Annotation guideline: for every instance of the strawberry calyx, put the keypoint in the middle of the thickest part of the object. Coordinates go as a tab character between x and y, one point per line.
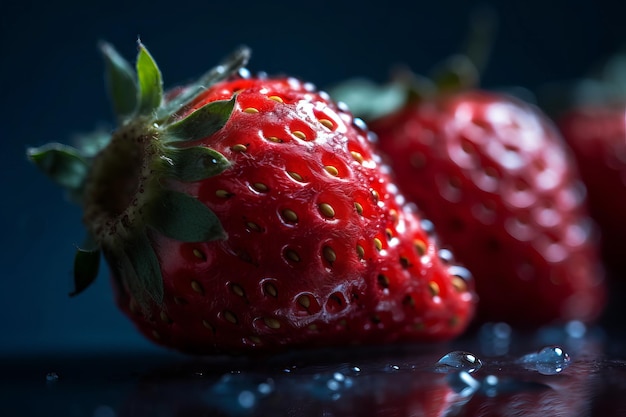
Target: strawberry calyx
121	179
459	72
370	100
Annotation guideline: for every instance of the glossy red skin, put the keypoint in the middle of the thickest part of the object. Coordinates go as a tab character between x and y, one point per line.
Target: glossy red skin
493	175
597	136
230	308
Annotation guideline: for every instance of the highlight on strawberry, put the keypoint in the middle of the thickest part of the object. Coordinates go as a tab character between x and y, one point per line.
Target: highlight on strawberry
246	213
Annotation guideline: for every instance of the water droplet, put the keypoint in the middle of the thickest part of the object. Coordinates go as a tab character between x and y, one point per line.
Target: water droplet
458	360
246	399
333	385
576	329
463	383
550	360
266	388
391	368
104	411
52	377
490	384
495	339
355	369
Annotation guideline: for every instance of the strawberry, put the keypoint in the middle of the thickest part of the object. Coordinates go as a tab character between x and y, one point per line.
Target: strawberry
245	213
591	114
494	176
597	134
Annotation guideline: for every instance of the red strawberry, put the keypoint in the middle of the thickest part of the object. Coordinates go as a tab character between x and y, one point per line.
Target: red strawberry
597	136
249	213
494	176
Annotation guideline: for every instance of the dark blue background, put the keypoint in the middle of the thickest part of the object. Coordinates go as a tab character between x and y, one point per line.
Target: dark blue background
51	86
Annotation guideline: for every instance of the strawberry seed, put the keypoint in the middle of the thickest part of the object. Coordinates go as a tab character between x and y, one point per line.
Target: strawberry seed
332	170
198	254
304	301
238	290
270	289
292	255
165	318
327	123
434	289
327	210
240	147
260	187
272	323
290	216
195	285
329	254
230	317
299	134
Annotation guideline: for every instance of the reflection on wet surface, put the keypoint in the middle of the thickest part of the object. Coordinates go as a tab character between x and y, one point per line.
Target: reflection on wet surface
559	371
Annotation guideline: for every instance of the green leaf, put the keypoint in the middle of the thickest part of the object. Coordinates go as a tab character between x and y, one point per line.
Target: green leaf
234	62
150	82
121	82
228	67
182	217
86	267
147	271
457	73
193	164
203	122
64	164
369	100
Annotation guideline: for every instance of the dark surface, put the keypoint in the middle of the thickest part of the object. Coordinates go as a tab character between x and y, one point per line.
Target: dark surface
389	381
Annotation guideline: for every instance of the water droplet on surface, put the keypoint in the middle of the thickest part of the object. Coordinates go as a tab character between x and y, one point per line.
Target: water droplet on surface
576	329
391	368
550	360
52	377
331	385
495	338
458	360
104	411
266	388
463	383
246	399
489	386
